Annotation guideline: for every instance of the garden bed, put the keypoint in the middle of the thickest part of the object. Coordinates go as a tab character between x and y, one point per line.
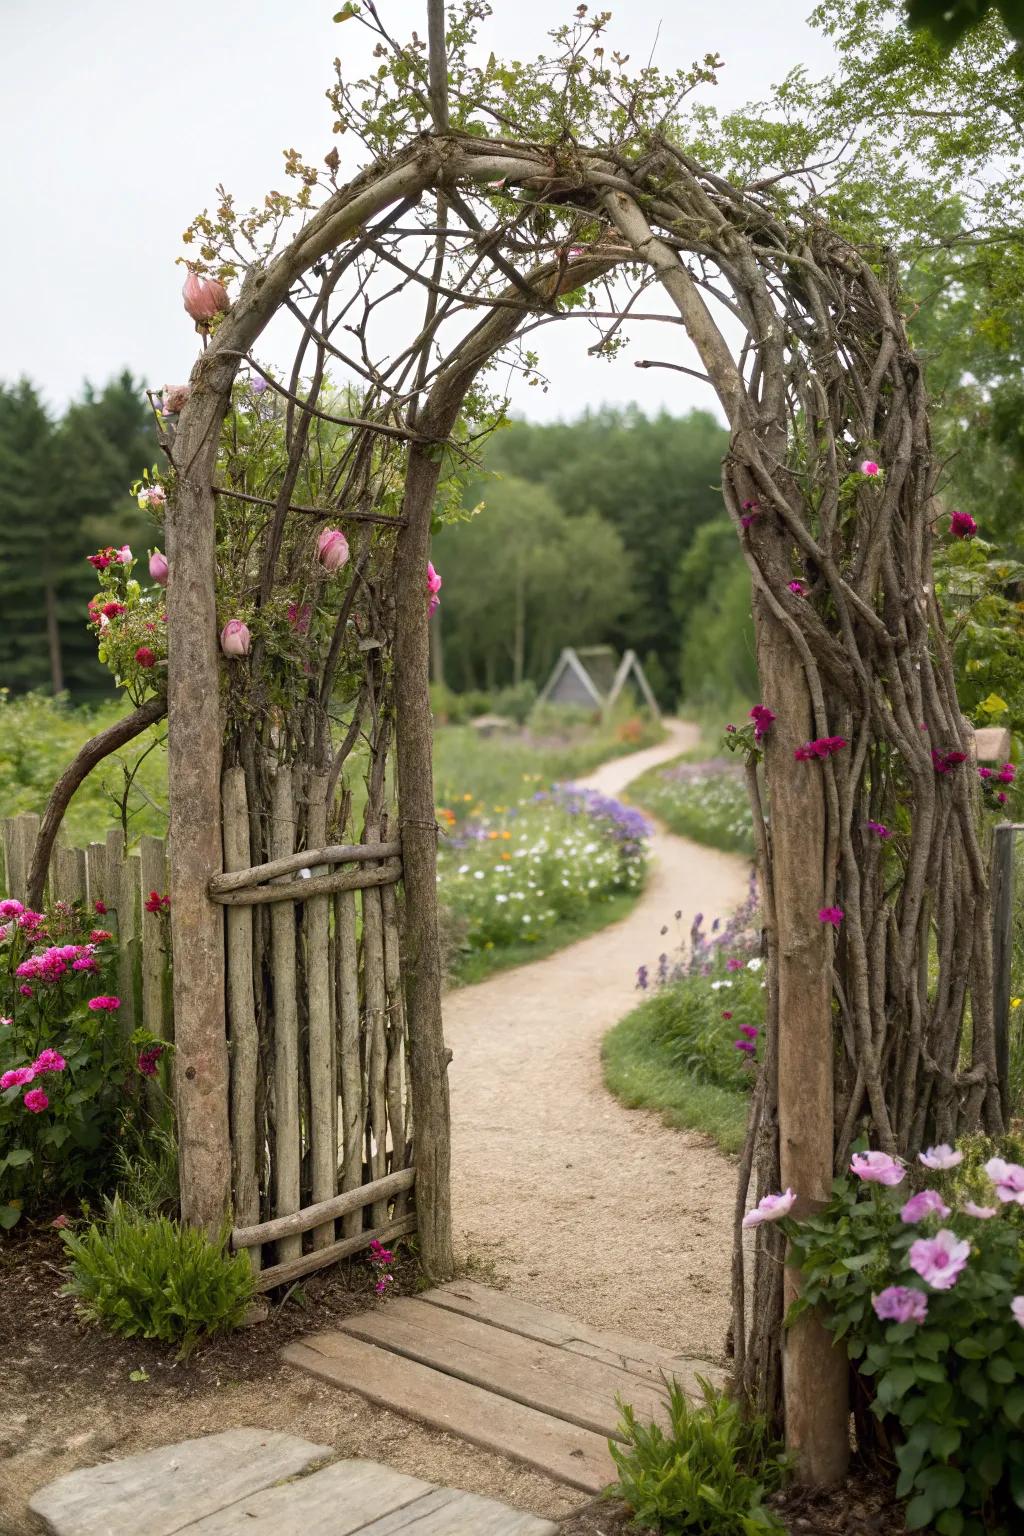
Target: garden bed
704	801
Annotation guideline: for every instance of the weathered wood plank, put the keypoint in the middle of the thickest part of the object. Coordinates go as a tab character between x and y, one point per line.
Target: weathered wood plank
243	1032
450	1512
67	873
343	1499
386	873
96	873
350	1055
328	1210
280	1274
341	853
164	1491
541	1376
560	1450
636	1356
153	877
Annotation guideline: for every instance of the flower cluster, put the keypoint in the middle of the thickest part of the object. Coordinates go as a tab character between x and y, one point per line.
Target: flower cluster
995	784
821	748
945	762
706	801
130	622
381	1260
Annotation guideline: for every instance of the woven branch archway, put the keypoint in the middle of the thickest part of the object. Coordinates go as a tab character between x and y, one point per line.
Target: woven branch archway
497	236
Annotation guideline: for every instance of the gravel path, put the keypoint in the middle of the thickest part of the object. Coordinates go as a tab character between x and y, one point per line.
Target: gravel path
581	1204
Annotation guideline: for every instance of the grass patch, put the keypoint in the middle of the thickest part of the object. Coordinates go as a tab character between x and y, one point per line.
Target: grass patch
704	801
639	1069
478	964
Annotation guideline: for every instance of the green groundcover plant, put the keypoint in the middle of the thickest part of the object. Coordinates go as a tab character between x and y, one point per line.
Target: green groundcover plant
70	1076
150	1277
926	1290
708	1474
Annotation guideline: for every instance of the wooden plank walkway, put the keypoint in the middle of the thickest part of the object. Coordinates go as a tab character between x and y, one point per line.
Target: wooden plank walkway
503	1374
264	1483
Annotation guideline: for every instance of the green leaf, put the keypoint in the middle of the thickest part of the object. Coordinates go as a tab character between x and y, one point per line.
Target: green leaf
9	1214
1001	1370
943	1485
950	1523
919	1512
347	12
1013	1404
17	1157
944	1440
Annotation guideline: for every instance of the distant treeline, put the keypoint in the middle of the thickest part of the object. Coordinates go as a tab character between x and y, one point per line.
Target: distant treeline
64	492
609	529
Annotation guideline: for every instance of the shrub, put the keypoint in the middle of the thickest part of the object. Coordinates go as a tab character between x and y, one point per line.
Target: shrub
69	1074
707	1476
928	1297
152	1278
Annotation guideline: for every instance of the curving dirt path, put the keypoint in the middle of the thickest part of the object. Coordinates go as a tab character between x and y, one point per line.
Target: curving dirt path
583	1205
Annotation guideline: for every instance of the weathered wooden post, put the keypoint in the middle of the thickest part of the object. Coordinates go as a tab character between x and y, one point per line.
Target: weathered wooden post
1002	948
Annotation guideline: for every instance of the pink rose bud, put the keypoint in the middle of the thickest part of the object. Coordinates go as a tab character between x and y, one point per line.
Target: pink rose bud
332	549
235	638
158	568
174	397
204	297
433	579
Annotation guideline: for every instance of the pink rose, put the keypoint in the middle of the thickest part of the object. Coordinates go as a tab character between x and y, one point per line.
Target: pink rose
869	467
332	549
771	1208
17	1077
235	639
204	297
158	568
35	1101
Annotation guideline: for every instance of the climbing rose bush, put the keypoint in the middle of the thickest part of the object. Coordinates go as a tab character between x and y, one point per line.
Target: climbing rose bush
69	1073
926	1289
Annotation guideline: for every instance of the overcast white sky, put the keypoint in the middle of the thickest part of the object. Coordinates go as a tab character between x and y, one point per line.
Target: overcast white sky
118	119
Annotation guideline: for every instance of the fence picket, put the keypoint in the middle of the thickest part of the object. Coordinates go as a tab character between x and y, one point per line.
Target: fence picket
287	1159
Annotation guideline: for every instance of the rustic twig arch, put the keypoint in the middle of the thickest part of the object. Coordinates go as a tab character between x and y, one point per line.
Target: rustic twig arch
865	1030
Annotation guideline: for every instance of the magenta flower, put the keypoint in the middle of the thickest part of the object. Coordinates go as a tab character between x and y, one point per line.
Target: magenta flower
1008	1179
48	1061
945	762
35	1101
104	1004
962	525
235	639
939	1259
797	588
1007	774
751	511
869	467
1001	798
1017	1308
771	1208
928	1203
941	1157
751	1031
820	748
877	1168
732	964
17	1077
984	773
980	1212
332	549
880	831
434	582
833	915
763	719
727	1014
11	908
900	1304
747	1046
148	1059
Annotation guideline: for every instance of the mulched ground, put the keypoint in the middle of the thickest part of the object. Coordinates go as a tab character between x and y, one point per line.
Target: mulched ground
862	1506
50	1343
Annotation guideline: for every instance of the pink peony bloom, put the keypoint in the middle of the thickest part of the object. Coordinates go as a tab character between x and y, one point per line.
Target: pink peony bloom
1017	1308
11	908
35	1101
763	719
928	1203
158	568
877	1168
939	1259
104	1004
833	915
771	1208
980	1212
174	397
235	639
900	1304
332	549
962	525
17	1077
85	963
48	1061
869	467
1008	1179
941	1157
204	297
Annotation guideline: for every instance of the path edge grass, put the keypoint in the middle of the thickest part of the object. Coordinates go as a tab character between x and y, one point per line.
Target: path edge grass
639	1072
473	966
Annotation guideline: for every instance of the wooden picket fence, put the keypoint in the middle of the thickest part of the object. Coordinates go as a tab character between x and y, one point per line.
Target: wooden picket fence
121	882
320	1112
